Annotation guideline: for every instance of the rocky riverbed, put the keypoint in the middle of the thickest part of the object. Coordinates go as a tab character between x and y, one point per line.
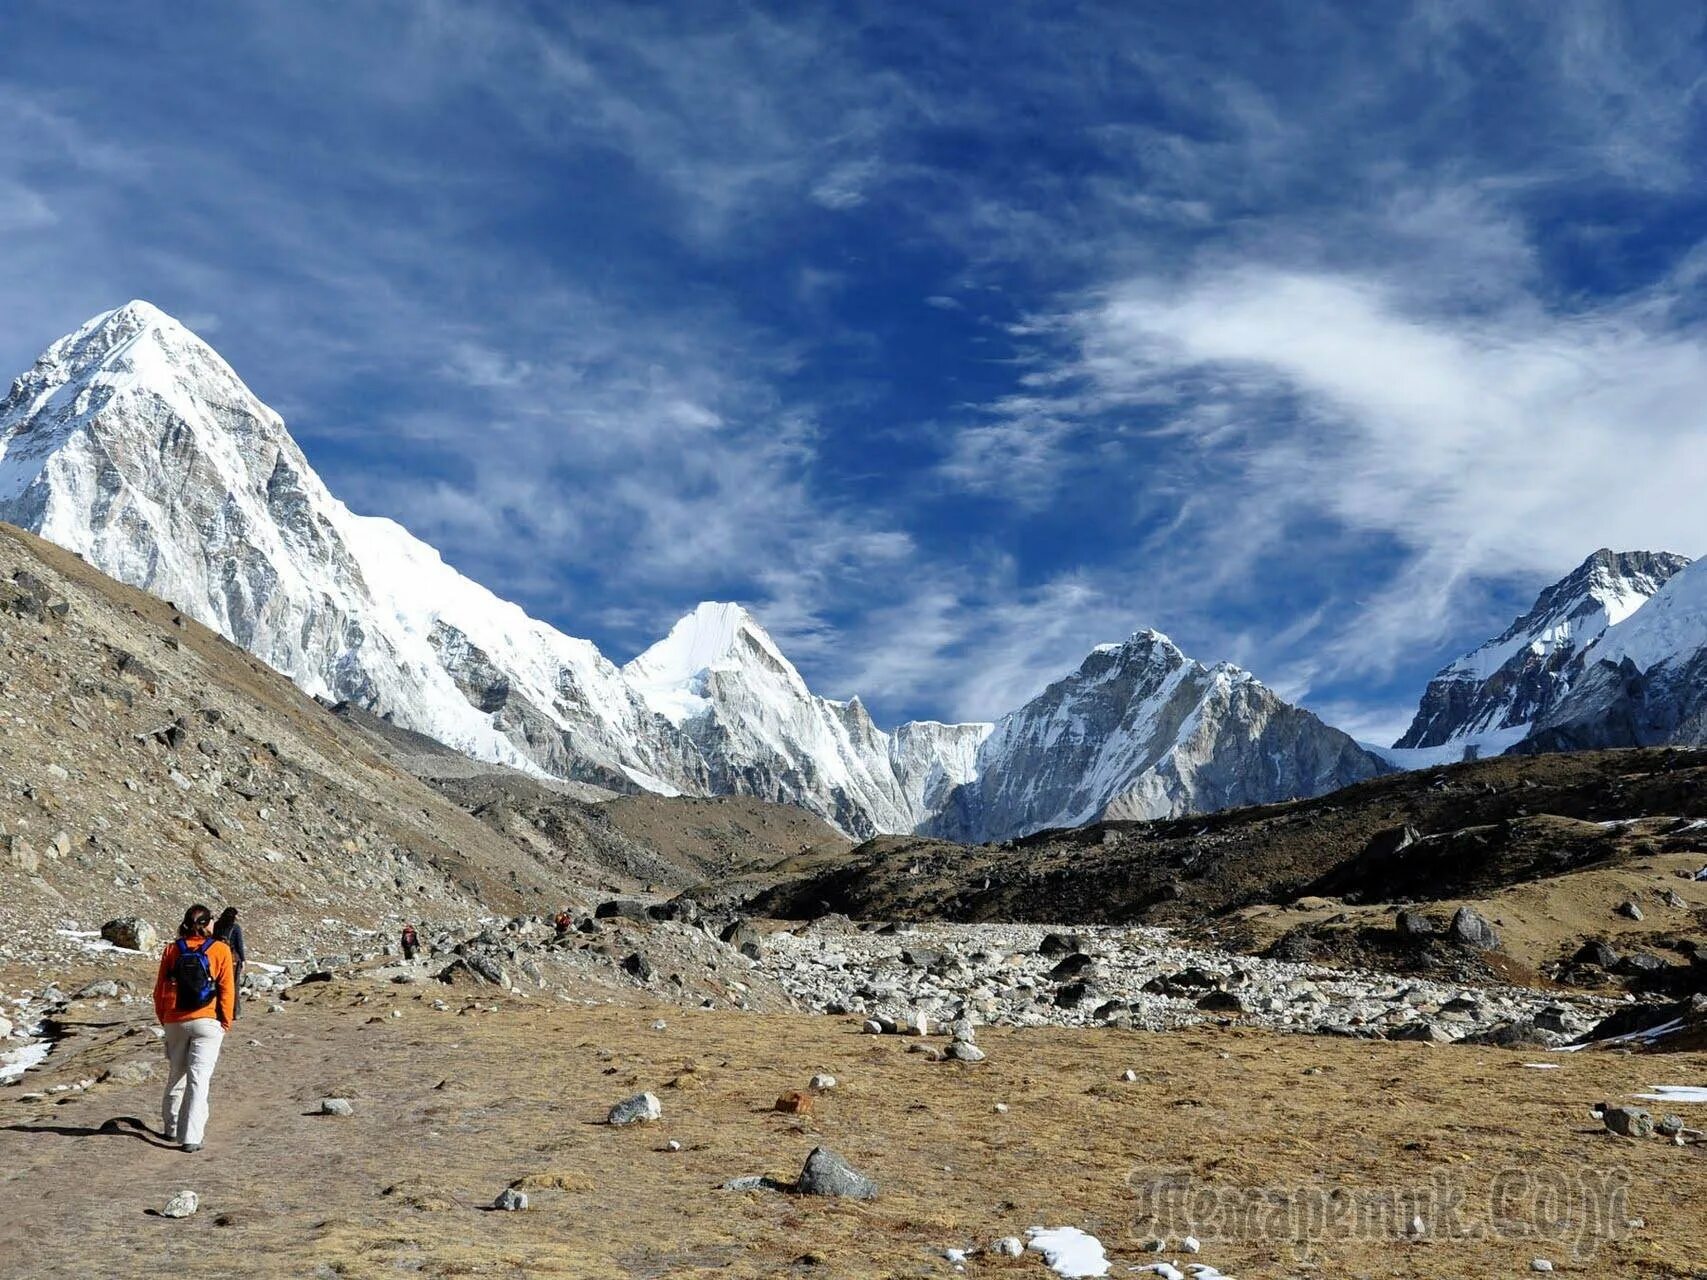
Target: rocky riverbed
1034	976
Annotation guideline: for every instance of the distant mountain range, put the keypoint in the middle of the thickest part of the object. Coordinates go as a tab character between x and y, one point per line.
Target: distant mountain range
134	444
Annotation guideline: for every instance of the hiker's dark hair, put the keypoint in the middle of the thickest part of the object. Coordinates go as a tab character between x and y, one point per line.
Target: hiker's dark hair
195	921
227	918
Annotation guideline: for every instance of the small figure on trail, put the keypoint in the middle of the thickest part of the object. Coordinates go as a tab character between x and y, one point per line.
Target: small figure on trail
411	942
562	922
228	931
195	999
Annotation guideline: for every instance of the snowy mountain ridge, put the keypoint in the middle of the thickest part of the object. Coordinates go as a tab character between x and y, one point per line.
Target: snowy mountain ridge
1141	731
1490	700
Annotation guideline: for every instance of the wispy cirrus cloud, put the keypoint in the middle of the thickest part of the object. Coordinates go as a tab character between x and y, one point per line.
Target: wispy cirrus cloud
952	346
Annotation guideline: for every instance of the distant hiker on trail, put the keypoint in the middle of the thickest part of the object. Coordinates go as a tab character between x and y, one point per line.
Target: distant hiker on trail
195	999
228	931
562	922
411	943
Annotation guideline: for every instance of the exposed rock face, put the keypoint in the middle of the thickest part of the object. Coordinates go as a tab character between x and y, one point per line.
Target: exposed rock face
1645	683
1487	700
722	682
1142	731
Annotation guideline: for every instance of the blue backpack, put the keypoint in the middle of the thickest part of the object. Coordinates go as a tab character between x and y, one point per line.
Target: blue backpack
192	976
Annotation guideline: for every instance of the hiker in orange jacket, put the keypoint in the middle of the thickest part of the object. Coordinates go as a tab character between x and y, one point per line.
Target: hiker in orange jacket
195	999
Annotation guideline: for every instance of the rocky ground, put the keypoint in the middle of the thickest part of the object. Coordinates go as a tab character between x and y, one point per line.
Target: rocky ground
1280	1156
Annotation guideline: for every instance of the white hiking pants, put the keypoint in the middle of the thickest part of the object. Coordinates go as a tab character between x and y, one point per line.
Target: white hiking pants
191	1050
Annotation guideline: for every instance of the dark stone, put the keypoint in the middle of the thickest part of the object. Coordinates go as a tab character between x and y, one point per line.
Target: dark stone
1058	944
638	966
1071	967
1414	924
1072	995
1221	1002
1472	929
1596	953
620	909
1628	1122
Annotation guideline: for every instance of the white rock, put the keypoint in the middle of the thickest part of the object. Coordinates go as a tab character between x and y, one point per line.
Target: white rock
821	1082
1008	1247
642	1108
1540	1264
181	1205
1129	1076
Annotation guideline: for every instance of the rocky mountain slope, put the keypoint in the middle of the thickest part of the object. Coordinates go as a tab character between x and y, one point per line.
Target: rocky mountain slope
1550	846
1645	682
133	444
1141	731
146	762
1489	699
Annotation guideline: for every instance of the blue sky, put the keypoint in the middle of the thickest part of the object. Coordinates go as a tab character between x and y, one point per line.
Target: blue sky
951	339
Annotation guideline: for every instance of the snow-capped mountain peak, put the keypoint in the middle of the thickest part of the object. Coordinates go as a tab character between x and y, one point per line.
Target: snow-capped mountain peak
715	637
1488	699
1140	730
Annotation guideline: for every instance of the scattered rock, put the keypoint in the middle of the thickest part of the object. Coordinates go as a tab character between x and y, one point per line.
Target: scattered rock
1628	1122
827	1174
642	1108
1629	910
794	1103
1597	953
510	1200
131	932
182	1205
1669	1126
821	1082
1472	929
1008	1247
1058	944
336	1107
966	1051
1414	924
1540	1264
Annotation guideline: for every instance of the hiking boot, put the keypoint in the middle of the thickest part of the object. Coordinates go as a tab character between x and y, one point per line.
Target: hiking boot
191	1146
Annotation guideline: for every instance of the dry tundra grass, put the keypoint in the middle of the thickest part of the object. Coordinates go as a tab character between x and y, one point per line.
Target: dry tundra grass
452	1106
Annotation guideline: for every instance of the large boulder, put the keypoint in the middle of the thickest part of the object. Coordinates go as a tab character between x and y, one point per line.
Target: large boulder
131	932
827	1174
1471	928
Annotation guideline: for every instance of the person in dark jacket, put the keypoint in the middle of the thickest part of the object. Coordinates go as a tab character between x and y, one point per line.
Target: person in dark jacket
228	931
411	942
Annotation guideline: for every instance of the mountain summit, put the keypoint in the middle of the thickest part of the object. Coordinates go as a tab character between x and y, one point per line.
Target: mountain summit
1142	731
1489	699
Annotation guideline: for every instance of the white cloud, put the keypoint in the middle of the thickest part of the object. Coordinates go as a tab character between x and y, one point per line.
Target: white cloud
1499	443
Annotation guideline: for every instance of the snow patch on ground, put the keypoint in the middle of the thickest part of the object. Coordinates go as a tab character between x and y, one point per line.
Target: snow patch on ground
1675	1093
1068	1251
14	1062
